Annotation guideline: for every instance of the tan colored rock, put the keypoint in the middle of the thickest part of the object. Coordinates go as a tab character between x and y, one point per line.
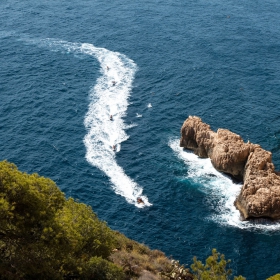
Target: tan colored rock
226	149
230	153
260	194
197	136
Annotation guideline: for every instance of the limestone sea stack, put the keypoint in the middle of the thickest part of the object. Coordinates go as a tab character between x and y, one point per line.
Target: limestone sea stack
260	193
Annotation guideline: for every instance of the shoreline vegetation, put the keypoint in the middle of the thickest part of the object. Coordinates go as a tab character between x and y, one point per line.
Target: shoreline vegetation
43	235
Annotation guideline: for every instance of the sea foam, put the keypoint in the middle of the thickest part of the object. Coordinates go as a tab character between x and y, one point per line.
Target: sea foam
220	190
109	96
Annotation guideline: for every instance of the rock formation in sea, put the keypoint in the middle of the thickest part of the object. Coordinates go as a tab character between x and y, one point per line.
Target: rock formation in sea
260	193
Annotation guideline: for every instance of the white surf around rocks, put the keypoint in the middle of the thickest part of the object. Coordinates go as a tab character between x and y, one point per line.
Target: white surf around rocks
107	99
220	190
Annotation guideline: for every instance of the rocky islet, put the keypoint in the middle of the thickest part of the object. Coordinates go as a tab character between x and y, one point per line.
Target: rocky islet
260	193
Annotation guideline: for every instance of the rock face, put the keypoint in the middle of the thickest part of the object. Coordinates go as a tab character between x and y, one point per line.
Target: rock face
260	193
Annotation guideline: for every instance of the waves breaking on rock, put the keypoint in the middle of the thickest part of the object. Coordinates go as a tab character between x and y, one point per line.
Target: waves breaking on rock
220	190
260	193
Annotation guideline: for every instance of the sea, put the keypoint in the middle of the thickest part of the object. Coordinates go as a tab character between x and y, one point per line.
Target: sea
67	66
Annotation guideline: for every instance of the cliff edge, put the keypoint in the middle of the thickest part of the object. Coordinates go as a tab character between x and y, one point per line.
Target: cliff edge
260	193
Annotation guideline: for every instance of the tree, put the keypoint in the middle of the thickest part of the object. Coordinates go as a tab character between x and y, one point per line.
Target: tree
82	235
98	268
45	236
274	277
214	269
28	206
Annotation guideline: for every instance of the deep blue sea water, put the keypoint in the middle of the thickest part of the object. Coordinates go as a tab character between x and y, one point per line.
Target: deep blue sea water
219	60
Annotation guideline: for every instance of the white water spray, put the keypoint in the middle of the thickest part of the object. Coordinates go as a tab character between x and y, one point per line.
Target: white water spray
109	97
219	188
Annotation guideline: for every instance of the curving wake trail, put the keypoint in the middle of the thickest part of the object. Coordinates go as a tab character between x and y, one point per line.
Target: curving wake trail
108	97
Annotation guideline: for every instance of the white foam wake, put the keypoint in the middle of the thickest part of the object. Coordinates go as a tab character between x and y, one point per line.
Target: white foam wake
108	97
220	189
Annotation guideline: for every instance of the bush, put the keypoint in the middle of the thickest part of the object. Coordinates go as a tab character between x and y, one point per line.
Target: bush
177	272
98	268
45	236
28	206
274	277
214	269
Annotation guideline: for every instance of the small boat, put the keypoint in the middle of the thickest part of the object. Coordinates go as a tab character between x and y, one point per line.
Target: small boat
140	200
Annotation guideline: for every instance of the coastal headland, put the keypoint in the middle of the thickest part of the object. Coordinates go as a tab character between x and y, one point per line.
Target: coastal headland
260	193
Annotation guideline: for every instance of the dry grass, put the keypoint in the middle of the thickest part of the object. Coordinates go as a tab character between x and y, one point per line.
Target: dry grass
136	258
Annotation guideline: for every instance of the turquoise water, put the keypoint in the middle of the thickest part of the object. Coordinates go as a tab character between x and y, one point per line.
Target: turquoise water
216	60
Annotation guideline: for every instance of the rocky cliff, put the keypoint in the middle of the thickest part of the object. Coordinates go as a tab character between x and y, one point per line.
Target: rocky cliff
260	193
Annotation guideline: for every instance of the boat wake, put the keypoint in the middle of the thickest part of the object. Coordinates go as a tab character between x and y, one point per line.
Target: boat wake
109	97
221	191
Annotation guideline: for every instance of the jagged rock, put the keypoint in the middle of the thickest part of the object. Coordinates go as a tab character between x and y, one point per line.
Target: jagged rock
196	135
260	193
226	149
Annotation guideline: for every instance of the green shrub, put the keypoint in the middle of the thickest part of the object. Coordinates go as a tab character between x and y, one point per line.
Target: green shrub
98	268
28	207
84	232
214	269
176	271
45	236
274	277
